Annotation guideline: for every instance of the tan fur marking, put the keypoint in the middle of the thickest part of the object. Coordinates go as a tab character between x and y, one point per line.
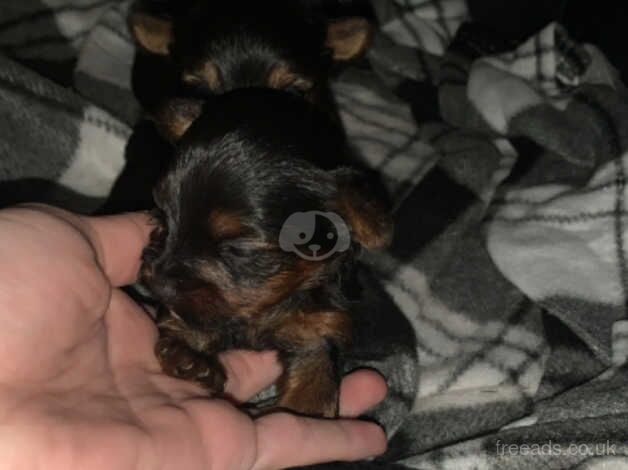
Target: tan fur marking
208	75
281	77
151	33
308	329
349	38
371	225
175	117
309	387
224	224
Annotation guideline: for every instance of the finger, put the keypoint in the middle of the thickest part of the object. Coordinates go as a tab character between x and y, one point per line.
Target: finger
360	391
131	333
286	440
119	241
249	372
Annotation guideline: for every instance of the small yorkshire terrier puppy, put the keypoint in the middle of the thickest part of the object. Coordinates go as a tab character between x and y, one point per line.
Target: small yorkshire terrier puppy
259	223
200	48
206	48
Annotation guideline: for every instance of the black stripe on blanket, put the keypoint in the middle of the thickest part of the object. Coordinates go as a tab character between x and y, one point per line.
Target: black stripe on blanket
428	211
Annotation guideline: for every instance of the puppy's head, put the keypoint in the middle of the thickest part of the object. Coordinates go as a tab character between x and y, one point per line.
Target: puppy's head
255	208
221	46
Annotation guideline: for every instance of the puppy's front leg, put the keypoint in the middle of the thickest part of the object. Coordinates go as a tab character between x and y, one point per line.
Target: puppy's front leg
190	355
311	379
309	385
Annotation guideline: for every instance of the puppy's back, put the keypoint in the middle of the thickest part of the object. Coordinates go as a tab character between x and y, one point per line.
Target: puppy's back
275	122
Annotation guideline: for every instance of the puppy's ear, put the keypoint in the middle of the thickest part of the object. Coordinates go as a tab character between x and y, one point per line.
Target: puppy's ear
175	116
364	209
152	33
348	38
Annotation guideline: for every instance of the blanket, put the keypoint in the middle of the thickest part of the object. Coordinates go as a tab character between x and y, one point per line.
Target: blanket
56	146
506	163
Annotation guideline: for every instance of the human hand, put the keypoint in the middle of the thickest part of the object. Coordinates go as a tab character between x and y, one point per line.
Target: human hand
80	387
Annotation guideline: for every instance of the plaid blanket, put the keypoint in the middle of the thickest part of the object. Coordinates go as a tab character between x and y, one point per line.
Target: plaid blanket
506	162
55	145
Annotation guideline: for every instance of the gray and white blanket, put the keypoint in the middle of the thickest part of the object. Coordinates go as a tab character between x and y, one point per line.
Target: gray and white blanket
507	165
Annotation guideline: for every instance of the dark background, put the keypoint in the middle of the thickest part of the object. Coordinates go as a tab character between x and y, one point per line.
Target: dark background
603	23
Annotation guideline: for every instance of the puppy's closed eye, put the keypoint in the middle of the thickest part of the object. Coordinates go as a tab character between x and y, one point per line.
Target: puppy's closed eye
282	77
245	248
250	261
193	79
207	76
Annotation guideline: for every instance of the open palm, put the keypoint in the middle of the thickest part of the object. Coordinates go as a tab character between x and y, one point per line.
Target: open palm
80	387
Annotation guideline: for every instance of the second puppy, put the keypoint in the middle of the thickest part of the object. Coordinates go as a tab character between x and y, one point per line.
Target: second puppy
260	222
204	48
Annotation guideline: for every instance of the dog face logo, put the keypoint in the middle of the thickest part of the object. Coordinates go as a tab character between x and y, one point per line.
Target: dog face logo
314	235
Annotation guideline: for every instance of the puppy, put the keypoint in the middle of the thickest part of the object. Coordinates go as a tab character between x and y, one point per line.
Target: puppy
204	48
199	48
258	227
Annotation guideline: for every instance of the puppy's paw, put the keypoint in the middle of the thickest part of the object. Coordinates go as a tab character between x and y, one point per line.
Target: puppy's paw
309	386
178	360
321	406
329	408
